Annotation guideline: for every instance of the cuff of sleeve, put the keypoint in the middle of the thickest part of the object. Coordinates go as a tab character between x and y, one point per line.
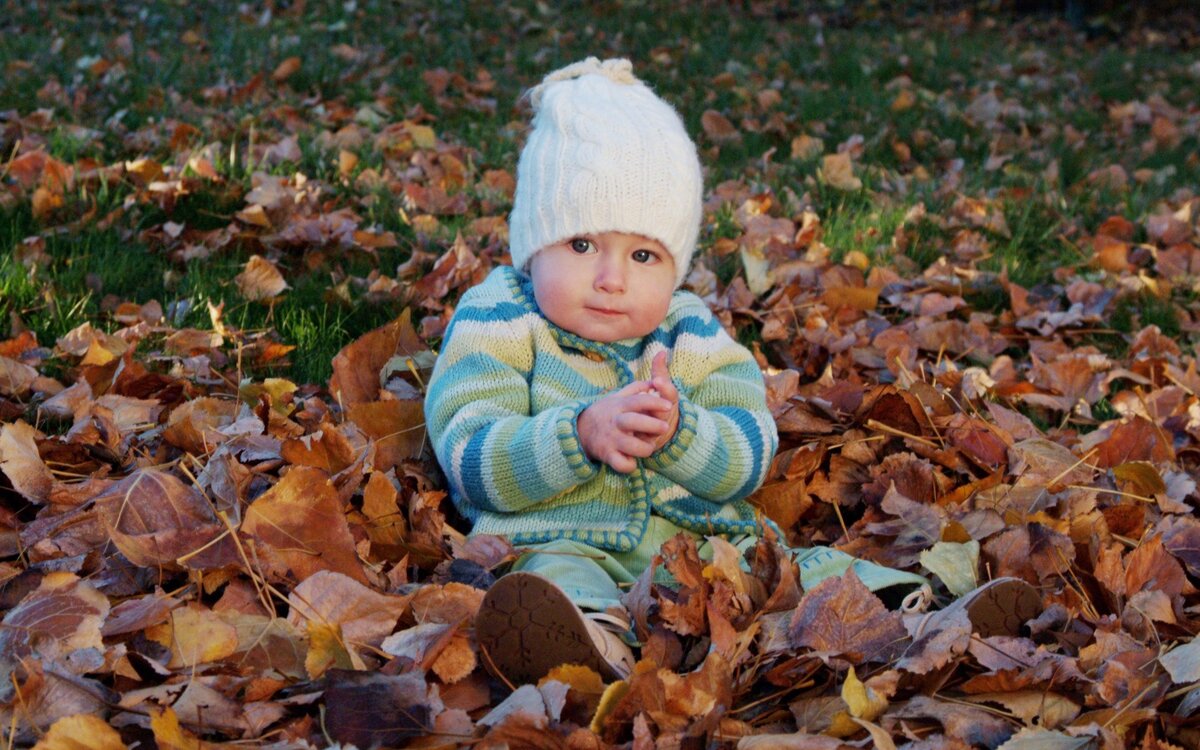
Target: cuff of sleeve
673	451
567	431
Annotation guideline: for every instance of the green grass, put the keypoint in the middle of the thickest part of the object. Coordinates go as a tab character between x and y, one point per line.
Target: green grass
181	59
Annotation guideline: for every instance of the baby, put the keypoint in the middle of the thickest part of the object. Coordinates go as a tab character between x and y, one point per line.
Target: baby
582	405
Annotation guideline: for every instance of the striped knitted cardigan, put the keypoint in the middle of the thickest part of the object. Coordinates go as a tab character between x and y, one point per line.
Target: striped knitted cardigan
507	390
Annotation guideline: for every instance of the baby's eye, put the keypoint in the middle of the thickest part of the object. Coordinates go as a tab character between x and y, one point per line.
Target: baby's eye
581	245
644	256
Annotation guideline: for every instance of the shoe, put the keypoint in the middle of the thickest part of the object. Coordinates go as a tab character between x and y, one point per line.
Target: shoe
527	625
999	607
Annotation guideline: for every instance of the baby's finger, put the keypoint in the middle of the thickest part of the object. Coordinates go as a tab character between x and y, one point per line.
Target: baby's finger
635	388
658	366
636	422
621	462
648	403
634	446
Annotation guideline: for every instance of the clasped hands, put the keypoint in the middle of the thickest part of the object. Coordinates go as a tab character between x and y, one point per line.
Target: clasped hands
634	422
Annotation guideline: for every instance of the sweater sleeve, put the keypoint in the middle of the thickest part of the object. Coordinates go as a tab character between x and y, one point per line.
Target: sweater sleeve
726	437
495	454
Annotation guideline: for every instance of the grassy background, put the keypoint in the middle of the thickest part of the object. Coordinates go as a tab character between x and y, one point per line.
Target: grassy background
832	71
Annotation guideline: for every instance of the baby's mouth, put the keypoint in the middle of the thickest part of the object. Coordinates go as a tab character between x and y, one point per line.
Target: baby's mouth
605	311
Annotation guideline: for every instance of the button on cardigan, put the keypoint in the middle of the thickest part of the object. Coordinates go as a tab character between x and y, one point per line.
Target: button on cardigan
502	409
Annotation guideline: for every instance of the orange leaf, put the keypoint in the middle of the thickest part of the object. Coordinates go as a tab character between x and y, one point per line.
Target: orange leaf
356	367
260	280
397	427
286	69
301	528
325	449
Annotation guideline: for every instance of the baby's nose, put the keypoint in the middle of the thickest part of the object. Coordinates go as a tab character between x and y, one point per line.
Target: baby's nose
610	277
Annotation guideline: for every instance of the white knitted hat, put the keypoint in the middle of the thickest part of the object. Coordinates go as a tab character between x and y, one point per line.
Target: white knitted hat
605	155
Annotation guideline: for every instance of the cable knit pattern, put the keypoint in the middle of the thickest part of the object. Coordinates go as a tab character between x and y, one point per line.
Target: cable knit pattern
504	400
605	154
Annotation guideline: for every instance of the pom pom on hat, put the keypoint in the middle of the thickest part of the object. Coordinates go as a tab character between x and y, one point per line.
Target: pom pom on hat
605	155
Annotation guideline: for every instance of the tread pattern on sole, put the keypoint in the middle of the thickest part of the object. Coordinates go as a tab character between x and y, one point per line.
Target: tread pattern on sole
528	626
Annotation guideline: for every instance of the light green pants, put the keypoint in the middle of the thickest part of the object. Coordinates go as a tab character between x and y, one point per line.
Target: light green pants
592	577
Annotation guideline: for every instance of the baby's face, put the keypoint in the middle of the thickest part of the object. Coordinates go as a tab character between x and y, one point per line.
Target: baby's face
604	287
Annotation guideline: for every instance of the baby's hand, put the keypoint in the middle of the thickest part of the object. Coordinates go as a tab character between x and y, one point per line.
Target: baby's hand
621	427
660	380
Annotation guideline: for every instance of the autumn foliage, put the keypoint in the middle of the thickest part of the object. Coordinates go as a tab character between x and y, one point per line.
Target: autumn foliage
196	554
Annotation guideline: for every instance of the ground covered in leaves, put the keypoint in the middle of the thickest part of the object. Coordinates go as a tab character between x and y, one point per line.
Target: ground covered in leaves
963	249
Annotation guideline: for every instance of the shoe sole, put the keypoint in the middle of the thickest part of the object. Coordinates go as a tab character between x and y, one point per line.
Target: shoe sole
526	626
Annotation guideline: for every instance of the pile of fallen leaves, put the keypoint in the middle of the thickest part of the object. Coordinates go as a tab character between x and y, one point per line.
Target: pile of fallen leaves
195	555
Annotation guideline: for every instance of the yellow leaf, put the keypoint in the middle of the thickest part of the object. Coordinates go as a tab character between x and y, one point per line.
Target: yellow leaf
422	135
326	649
608	701
199	635
1140	478
955	564
254	215
80	732
168	735
837	171
577	677
806	147
864	703
278	389
347	161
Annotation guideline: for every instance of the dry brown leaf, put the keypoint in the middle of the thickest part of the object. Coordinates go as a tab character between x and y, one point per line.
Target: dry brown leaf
16	378
62	616
841	617
260	280
837	171
357	366
326	449
21	462
718	128
195	425
364	616
300	527
156	519
386	526
397	427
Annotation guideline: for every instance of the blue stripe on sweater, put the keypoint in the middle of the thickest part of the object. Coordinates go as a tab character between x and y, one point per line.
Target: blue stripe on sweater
497	313
746	422
473	461
525	466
